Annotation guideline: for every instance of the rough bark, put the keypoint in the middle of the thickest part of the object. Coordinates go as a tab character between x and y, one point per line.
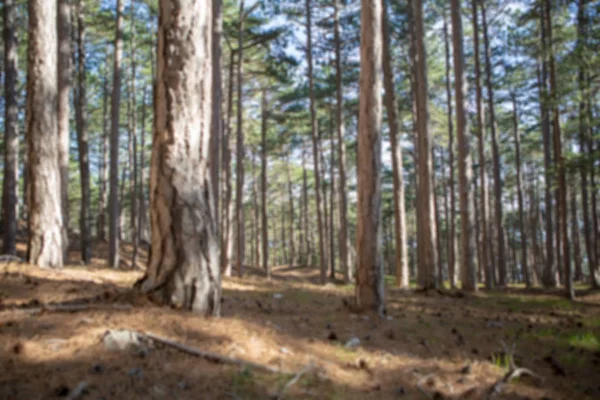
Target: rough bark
341	148
369	276
498	211
113	206
63	18
82	139
11	131
452	222
45	247
560	161
425	207
480	127
183	270
315	140
401	260
239	183
523	232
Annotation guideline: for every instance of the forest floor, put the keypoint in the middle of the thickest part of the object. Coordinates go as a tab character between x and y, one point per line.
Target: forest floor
443	345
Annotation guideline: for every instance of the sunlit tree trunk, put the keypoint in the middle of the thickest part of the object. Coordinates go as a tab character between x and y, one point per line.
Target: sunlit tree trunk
183	270
370	274
315	140
401	260
11	131
45	223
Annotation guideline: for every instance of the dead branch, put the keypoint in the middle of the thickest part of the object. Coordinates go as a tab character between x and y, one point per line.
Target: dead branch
294	380
67	308
497	387
217	358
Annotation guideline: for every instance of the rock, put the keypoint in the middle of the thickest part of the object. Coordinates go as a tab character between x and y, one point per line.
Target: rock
80	390
352	343
119	340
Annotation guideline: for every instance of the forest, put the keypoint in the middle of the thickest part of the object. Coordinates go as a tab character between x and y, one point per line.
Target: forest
330	199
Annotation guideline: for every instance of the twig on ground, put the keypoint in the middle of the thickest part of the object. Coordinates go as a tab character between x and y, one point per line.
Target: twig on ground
295	379
212	356
509	376
67	308
420	387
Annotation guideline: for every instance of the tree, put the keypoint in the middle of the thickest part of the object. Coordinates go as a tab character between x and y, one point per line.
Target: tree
263	187
369	274
82	139
315	144
239	183
426	247
103	173
183	270
11	130
132	140
401	261
113	201
467	245
45	247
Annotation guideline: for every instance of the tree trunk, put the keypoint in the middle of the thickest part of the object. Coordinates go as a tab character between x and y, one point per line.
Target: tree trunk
293	249
575	236
332	193
239	183
264	189
452	222
227	232
216	119
467	239
370	275
183	270
495	152
425	207
325	203
517	135
142	224
11	131
103	178
560	161
82	139
315	146
343	202
305	238
64	87
113	207
401	261
133	144
438	261
483	214
45	247
255	249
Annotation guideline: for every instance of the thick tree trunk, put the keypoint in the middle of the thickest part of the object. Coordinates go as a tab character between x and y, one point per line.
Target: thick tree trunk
523	232
480	128
264	188
227	232
467	239
425	207
82	139
103	173
64	87
495	153
183	270
45	247
315	146
239	179
401	261
343	201
11	131
560	161
113	206
452	222
370	275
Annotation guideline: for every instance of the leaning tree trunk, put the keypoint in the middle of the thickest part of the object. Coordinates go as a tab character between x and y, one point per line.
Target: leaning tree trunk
426	218
401	260
495	153
82	140
45	247
339	114
369	274
64	87
467	239
183	270
315	146
113	200
11	131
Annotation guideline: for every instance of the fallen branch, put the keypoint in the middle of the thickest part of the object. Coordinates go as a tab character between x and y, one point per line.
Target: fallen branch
213	356
294	380
66	308
10	257
420	387
497	387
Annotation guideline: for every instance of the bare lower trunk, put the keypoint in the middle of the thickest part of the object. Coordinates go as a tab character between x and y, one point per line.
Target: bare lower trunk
103	178
11	131
293	248
239	183
45	247
227	232
523	232
370	275
133	145
183	270
264	188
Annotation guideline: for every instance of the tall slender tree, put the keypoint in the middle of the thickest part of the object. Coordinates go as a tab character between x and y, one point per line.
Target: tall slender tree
522	231
239	178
